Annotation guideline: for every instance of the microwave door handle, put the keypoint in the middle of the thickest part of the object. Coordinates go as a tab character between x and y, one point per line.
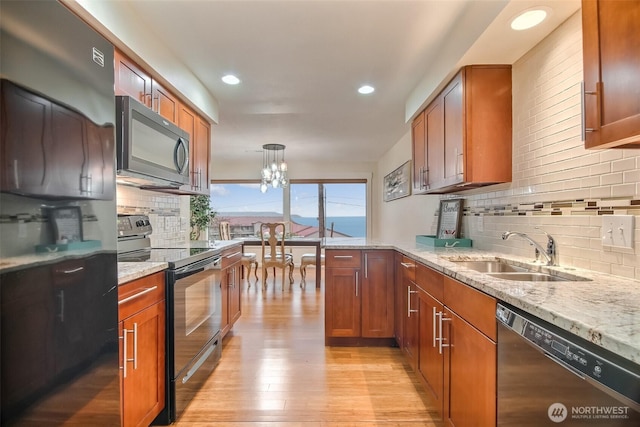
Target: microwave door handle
185	164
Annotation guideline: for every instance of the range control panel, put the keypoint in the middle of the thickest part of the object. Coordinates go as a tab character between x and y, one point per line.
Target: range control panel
133	225
575	357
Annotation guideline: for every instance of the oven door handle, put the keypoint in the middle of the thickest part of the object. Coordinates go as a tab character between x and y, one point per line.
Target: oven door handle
197	267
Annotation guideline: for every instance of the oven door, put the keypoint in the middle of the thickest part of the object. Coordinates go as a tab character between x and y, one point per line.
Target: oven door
195	311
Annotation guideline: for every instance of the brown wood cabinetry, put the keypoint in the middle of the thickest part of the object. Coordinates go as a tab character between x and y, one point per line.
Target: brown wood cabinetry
611	42
463	138
141	309
50	150
132	80
359	295
199	131
455	353
407	294
230	287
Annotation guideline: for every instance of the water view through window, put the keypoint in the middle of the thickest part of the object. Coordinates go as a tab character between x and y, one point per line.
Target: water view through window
315	209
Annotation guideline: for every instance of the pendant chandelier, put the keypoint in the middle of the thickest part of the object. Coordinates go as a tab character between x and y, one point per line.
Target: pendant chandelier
274	168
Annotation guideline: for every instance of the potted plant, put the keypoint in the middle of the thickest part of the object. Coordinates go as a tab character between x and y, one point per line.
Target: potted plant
201	215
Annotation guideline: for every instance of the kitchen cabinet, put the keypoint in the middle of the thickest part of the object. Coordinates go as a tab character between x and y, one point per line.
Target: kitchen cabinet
406	292
398	312
199	131
134	81
611	42
464	140
52	151
454	352
27	325
230	287
359	290
430	358
141	310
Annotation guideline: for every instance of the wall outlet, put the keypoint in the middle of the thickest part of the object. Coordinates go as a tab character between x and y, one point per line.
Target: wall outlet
617	231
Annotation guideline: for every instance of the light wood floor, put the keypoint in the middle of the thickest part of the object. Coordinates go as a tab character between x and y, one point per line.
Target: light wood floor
276	371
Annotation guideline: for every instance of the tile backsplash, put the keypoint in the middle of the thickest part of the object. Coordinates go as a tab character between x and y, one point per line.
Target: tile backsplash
558	185
168	213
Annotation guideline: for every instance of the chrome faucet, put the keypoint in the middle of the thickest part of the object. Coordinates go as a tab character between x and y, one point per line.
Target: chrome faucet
549	253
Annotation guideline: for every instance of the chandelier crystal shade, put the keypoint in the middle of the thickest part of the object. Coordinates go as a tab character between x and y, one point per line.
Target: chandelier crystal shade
274	168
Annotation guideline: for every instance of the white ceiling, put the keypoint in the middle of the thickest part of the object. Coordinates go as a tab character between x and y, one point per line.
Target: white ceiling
301	61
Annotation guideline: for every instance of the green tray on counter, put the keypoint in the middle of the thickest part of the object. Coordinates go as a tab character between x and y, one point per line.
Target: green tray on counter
443	243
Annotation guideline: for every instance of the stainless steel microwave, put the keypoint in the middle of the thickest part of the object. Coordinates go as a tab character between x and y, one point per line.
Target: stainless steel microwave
150	149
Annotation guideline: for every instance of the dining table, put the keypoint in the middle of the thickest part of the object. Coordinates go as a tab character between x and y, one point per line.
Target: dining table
315	242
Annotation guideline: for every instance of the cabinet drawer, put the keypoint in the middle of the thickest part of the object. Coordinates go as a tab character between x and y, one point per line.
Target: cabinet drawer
138	294
231	256
475	307
408	268
430	281
343	258
68	272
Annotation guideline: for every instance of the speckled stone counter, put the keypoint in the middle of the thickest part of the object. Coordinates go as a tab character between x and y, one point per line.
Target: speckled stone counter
128	271
604	310
37	259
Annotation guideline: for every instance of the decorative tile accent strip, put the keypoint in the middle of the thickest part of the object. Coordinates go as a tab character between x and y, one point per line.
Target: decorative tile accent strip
563	207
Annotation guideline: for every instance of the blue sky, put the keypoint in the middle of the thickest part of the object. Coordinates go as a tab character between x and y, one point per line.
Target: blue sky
342	199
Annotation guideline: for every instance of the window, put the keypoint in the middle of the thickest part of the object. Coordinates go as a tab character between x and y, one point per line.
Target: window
310	209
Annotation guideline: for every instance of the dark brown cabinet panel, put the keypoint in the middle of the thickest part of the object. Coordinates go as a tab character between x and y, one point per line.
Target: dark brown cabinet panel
230	288
131	80
52	151
418	145
611	42
342	302
430	366
377	294
199	131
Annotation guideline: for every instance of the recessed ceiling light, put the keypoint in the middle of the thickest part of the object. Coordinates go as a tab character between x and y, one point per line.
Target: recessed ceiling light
230	79
366	89
529	18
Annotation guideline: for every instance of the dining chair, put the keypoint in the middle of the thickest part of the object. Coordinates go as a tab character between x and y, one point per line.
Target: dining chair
248	259
273	253
306	260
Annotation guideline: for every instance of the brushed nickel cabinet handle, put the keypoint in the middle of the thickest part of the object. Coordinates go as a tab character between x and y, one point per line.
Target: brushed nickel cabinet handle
138	295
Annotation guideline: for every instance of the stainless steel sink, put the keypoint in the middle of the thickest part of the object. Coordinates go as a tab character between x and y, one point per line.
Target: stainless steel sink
490	266
531	277
501	269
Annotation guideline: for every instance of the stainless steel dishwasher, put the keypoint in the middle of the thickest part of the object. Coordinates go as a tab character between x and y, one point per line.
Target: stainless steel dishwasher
547	376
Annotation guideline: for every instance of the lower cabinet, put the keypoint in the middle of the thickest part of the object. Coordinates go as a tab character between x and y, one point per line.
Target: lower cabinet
230	287
450	341
141	305
359	296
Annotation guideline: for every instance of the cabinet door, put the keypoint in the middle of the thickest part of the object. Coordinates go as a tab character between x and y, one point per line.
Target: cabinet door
225	326
234	293
398	308
23	136
452	99
611	43
430	358
164	102
434	119
342	302
202	148
67	133
131	80
143	384
472	390
419	152
377	294
411	331
26	325
98	179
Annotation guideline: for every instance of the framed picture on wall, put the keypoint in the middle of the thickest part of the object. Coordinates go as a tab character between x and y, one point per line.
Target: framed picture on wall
397	184
449	219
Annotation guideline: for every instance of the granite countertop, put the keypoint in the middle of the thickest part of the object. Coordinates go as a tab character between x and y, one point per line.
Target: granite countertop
44	258
604	310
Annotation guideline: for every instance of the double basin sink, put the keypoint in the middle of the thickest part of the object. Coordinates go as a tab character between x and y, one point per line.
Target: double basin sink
503	269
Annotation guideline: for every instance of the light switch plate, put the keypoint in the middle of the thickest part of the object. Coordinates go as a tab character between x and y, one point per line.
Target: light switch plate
618	231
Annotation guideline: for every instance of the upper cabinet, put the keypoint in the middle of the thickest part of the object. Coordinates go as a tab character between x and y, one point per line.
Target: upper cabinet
611	42
134	81
463	138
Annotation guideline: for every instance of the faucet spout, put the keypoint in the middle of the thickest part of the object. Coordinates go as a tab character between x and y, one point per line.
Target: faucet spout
549	253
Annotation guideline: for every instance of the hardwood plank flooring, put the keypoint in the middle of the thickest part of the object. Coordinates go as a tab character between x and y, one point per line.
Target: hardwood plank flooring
276	371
